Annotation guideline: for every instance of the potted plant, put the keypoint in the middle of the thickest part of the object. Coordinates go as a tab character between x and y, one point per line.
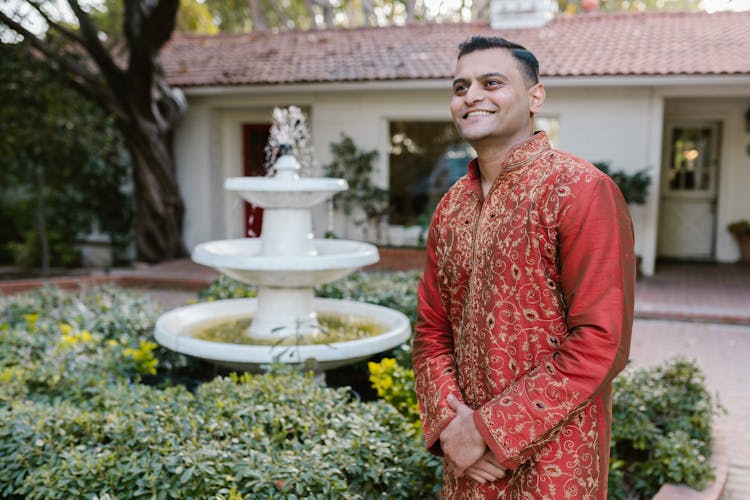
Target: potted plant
741	232
634	187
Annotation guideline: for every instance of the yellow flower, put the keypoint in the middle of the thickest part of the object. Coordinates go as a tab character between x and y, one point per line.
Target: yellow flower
389	363
65	328
69	340
145	362
85	336
31	319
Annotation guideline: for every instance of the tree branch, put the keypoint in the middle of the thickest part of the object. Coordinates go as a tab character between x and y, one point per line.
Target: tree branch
103	59
69	34
283	18
56	60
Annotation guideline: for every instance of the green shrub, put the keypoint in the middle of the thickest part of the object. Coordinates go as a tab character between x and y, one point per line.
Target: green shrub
267	436
661	430
77	421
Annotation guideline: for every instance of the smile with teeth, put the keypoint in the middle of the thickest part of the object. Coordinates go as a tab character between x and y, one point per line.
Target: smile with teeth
479	112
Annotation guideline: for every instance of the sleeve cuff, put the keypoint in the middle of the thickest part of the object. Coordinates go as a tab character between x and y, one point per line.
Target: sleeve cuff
500	454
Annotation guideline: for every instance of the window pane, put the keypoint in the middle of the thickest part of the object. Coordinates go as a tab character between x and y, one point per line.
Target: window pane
689	168
425	159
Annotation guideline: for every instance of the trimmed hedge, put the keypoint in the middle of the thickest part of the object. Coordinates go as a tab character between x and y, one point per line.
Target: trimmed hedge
76	419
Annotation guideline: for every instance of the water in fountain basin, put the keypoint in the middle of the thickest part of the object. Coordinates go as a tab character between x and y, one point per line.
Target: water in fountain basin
333	328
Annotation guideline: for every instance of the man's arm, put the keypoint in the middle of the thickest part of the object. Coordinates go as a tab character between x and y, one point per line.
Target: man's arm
597	264
433	360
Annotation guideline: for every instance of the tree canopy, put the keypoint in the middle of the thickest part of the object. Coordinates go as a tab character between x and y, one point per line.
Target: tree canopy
65	168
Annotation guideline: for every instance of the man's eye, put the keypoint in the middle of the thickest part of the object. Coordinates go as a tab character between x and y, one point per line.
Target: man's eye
459	89
492	83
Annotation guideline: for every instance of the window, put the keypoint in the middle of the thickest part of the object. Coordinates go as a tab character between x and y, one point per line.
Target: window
425	159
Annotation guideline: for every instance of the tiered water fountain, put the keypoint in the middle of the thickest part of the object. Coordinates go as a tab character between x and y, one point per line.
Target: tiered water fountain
286	322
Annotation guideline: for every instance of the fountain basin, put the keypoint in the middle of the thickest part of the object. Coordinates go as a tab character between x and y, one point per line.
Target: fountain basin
241	259
269	192
172	332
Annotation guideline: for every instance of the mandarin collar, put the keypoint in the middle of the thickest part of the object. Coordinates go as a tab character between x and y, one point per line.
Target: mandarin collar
521	153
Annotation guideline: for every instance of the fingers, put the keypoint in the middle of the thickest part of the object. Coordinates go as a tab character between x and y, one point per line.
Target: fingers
456	405
486	469
452	402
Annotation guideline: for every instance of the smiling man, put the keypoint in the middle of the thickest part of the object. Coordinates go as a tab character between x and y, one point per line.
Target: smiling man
526	303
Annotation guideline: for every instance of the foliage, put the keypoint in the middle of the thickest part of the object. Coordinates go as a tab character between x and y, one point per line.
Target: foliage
58	146
121	76
661	424
581	6
356	166
661	430
224	287
258	15
76	420
634	187
395	384
740	228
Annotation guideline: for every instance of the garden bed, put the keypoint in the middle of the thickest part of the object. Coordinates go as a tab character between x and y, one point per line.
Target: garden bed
99	408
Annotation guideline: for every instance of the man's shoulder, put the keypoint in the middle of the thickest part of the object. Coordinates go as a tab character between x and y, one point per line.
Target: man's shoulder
566	161
562	167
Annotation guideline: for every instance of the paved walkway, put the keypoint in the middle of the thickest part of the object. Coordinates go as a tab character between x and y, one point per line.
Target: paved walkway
698	310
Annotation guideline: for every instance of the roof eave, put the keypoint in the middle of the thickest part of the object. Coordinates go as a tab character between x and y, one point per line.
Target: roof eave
444	84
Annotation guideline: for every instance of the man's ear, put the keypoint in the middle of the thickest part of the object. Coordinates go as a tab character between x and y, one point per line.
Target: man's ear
537	94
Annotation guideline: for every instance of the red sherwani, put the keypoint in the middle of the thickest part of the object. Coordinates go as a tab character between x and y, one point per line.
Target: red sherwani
525	313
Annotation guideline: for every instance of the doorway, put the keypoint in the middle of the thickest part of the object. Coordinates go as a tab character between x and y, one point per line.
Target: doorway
690	170
254	140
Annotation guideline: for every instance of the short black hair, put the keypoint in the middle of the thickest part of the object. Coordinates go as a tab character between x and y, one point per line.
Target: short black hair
528	61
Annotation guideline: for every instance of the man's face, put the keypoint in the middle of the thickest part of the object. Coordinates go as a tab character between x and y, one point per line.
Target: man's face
491	100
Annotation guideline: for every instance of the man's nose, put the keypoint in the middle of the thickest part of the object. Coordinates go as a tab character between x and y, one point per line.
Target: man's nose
473	94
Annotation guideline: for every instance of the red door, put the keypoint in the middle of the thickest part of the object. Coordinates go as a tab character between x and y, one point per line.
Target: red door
254	140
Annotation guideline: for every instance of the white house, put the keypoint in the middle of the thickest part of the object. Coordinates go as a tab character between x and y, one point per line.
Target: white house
666	91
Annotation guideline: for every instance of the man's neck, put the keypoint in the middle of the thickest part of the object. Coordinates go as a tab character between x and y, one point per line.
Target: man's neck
491	157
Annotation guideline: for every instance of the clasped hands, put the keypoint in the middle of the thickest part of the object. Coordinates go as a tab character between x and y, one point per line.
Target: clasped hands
464	448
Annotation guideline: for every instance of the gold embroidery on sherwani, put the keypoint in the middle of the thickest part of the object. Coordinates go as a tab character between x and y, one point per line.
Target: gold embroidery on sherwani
495	328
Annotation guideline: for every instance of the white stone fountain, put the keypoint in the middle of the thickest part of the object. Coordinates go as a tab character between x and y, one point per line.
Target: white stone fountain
286	263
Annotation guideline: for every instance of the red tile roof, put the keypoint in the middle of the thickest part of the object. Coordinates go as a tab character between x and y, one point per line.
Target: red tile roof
654	43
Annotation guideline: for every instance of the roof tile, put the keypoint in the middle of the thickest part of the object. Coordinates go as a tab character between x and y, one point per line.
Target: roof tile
599	44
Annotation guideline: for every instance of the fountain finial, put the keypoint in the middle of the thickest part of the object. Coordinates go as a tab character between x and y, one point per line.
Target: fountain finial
290	136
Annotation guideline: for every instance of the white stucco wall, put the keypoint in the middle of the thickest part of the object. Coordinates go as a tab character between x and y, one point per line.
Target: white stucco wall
620	125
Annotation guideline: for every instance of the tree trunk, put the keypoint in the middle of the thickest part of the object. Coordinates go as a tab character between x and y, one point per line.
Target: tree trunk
159	209
410	6
256	12
41	219
369	13
327	11
310	6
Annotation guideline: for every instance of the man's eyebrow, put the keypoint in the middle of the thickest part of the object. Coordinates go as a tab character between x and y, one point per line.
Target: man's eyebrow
481	77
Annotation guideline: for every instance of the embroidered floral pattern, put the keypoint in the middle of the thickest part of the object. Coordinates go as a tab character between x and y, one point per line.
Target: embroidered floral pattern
511	314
